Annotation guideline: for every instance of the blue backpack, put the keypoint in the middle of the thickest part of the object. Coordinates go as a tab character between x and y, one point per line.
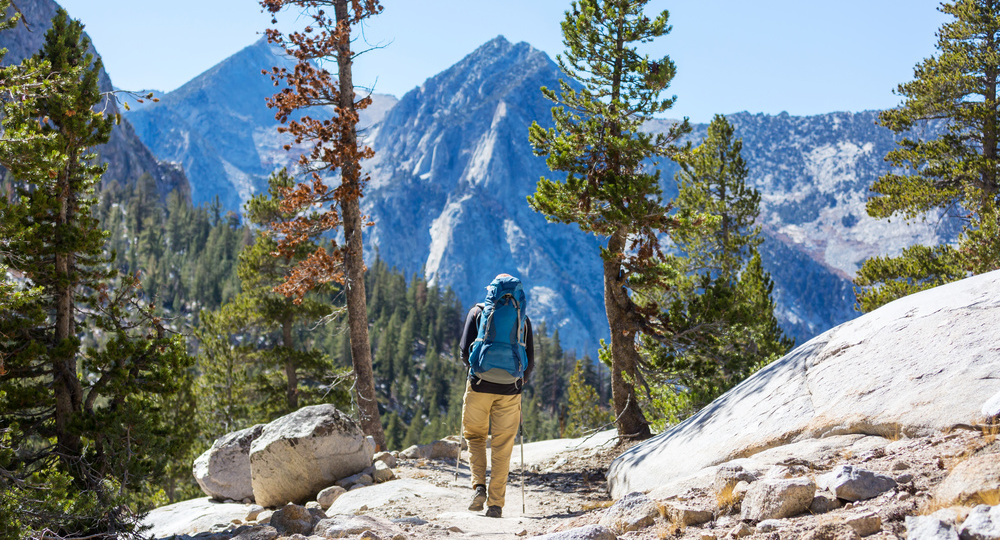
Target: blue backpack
500	342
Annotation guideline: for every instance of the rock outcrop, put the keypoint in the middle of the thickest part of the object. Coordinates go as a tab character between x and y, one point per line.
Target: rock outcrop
917	366
223	471
304	452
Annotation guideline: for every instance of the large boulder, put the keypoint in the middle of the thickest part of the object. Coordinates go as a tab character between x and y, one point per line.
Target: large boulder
303	452
223	471
919	365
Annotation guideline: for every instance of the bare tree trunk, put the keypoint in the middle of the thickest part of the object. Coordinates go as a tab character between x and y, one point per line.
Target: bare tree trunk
291	375
630	422
357	304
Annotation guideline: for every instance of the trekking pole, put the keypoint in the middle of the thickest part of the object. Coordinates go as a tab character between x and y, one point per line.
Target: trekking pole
458	458
521	427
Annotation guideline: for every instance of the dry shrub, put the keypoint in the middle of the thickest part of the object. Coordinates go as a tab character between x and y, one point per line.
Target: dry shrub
597	505
991	497
727	499
990	432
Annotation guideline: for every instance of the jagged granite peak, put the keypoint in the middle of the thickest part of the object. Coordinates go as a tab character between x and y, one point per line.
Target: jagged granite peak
453	167
125	154
449	184
219	126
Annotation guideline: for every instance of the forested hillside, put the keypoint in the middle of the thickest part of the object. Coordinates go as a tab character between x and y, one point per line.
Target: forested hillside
187	258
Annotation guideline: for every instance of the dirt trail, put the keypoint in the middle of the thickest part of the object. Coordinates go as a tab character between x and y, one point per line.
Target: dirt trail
560	490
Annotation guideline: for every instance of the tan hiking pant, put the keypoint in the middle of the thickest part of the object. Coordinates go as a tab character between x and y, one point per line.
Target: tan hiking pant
480	412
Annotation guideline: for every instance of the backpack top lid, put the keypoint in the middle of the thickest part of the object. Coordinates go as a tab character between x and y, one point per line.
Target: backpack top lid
503	285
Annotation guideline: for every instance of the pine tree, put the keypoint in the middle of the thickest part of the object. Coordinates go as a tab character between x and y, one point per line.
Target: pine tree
955	174
720	306
102	422
609	190
584	411
335	146
257	361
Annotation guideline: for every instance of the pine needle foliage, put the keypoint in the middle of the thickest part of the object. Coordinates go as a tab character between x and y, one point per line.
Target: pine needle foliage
955	174
88	429
609	189
720	307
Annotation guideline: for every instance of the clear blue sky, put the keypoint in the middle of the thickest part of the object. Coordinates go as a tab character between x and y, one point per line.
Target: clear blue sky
800	56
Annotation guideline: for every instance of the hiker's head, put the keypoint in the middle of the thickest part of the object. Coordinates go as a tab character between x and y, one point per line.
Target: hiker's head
499	276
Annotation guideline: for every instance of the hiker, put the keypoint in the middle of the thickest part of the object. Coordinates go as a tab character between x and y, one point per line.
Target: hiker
497	348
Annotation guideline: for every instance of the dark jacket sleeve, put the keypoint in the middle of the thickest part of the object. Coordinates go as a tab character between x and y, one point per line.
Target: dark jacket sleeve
470	332
529	348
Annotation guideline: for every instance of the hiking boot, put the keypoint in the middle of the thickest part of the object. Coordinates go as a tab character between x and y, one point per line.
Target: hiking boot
494	511
479	498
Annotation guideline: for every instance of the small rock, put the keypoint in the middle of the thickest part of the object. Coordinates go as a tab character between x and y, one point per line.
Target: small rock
326	497
370	535
769	525
630	513
386	457
929	528
455	529
382	472
313	505
264	517
292	519
356	487
410	521
991	409
775	499
904	478
254	512
522	532
741	531
969	479
589	532
855	484
864	524
741	489
824	502
360	478
707	536
983	523
728	475
261	532
682	514
900	465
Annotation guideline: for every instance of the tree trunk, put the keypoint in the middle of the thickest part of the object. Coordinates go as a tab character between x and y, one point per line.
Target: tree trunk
354	264
66	386
291	376
629	420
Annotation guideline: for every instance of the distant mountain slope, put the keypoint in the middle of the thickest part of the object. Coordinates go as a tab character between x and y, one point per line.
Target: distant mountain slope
453	167
449	181
126	155
219	127
814	173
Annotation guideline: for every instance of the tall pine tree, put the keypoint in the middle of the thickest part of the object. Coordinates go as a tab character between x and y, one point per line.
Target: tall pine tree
108	417
956	173
609	190
719	307
335	149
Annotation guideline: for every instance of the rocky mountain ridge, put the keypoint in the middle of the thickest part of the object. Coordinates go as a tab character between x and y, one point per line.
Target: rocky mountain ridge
219	128
453	167
126	155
